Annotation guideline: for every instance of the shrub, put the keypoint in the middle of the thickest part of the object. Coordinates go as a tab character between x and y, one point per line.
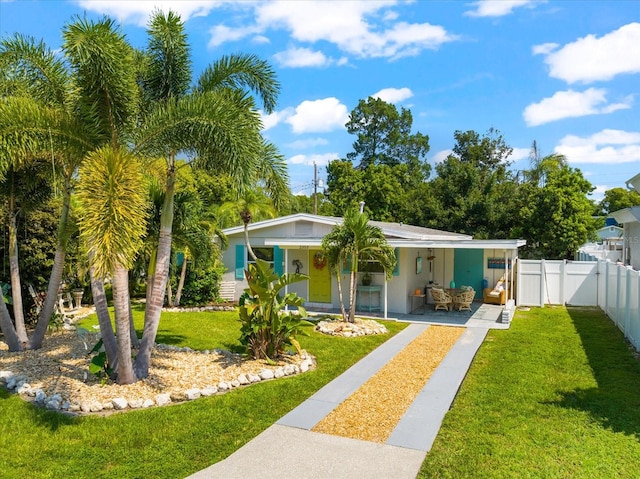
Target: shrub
201	286
266	327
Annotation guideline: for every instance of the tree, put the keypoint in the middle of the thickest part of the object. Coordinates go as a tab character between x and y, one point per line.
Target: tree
384	136
24	190
617	199
112	225
358	241
559	219
472	190
251	204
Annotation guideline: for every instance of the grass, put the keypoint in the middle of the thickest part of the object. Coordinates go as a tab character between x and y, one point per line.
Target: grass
556	396
168	442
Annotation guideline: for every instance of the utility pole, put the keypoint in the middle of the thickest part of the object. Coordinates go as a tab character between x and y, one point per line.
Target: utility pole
315	188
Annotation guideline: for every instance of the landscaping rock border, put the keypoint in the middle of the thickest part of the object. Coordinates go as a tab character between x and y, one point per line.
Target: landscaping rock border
361	327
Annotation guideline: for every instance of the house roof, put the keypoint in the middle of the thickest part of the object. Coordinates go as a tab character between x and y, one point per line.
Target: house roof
634	183
390	230
398	235
627	215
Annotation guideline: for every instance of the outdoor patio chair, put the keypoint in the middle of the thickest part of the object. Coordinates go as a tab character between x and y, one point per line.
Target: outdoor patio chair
441	300
464	299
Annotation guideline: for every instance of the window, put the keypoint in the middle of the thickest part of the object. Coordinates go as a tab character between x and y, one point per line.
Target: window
264	253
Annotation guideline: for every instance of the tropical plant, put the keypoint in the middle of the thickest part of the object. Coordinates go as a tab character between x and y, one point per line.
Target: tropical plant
267	327
353	242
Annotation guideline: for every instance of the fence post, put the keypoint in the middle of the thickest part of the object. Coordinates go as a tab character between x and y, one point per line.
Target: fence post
543	283
618	289
563	278
627	296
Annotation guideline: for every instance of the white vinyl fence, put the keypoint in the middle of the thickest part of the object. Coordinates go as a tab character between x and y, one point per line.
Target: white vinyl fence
614	288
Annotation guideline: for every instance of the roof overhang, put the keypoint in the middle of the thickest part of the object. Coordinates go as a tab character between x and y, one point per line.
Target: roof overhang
634	183
627	215
439	244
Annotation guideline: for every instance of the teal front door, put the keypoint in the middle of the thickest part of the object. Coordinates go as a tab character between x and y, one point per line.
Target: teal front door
468	268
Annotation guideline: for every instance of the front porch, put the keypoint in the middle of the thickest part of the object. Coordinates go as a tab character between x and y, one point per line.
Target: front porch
481	315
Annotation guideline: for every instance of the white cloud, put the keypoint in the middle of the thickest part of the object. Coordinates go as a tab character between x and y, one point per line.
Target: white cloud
496	8
544	49
275	118
139	12
393	95
301	57
605	147
221	34
321	159
318	116
519	154
308	143
441	156
590	58
571	104
355	27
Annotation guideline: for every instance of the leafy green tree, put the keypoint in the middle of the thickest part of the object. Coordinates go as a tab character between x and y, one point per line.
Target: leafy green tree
358	241
617	199
471	193
384	136
559	215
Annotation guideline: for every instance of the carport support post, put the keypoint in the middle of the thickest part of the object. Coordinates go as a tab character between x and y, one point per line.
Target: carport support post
385	297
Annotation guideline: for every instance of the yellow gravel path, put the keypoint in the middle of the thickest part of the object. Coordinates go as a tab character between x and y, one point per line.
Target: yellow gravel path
373	411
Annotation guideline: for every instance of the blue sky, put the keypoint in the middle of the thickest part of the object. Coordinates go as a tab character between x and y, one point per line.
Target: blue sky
563	73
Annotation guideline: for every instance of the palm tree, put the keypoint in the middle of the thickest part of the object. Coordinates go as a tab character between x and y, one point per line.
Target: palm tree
252	204
334	248
360	242
24	189
217	120
112	225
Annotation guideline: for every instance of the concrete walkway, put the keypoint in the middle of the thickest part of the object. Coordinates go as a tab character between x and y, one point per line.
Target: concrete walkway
289	449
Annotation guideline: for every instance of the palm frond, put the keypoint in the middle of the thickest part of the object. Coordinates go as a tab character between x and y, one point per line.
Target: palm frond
240	71
169	72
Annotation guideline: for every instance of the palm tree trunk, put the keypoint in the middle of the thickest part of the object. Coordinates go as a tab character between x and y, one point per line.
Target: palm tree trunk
169	294
50	300
135	342
125	374
150	272
56	275
339	281
246	241
183	275
154	306
104	318
9	332
352	289
16	288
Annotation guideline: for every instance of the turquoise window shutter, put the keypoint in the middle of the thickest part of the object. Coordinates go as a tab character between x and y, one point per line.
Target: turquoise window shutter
346	265
396	271
277	260
239	261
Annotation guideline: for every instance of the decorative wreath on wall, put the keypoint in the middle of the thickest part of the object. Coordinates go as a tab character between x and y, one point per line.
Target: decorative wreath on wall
319	261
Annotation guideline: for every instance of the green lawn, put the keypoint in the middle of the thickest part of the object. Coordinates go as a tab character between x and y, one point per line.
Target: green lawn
556	396
174	441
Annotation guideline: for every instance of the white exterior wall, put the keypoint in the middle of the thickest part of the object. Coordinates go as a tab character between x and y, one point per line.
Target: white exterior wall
632	242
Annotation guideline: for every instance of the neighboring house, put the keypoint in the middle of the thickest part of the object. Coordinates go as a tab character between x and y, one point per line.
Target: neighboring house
609	246
629	218
425	256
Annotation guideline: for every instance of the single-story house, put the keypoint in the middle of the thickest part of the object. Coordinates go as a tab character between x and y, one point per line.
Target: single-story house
426	257
629	218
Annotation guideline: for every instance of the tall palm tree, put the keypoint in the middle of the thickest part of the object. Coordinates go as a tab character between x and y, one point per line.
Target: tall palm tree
334	248
38	119
217	120
360	242
24	189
